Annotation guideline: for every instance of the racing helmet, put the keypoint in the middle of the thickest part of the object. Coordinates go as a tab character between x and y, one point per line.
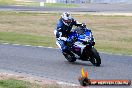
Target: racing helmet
66	18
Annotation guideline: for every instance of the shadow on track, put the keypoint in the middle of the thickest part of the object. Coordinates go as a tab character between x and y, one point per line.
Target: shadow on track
79	63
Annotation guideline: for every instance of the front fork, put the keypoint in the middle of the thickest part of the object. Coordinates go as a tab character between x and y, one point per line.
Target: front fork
86	52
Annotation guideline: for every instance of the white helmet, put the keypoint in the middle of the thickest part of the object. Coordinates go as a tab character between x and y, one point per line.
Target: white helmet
66	18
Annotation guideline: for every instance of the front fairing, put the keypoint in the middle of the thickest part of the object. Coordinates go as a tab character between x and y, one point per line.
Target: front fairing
83	40
86	38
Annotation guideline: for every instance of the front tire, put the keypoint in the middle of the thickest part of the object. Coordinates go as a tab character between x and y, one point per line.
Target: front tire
95	58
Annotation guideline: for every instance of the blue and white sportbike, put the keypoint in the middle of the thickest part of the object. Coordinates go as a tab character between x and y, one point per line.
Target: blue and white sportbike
81	45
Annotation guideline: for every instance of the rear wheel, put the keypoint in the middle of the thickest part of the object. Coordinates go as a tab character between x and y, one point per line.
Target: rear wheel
94	57
69	57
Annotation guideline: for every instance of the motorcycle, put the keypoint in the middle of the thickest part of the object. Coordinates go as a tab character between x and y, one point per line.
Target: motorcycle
82	46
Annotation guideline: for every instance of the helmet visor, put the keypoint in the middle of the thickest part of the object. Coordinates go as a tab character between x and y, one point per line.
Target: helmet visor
68	21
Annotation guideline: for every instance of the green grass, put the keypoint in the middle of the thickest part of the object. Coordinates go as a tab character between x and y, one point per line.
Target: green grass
6	2
11	37
56	5
61	5
12	83
32	3
113	47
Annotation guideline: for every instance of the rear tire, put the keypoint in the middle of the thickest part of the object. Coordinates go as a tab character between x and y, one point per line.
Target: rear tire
69	57
95	58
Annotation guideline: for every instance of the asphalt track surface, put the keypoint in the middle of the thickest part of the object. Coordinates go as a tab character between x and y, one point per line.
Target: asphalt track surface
50	63
127	8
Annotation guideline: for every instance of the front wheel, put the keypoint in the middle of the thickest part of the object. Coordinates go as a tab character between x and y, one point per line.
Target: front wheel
95	58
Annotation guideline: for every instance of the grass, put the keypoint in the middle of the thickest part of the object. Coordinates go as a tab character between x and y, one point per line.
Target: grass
17	82
62	5
112	33
35	3
7	2
56	5
27	39
12	83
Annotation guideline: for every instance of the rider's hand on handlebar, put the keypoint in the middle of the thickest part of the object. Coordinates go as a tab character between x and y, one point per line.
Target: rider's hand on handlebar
83	25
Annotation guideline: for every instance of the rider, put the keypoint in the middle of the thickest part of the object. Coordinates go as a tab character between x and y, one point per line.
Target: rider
63	29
